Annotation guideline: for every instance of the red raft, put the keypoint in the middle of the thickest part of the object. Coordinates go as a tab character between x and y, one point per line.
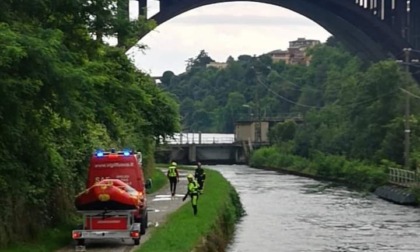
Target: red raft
109	194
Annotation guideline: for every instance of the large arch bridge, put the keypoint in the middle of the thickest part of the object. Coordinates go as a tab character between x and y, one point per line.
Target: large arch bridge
375	29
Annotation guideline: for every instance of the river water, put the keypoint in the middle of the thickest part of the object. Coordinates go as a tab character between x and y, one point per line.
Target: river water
289	213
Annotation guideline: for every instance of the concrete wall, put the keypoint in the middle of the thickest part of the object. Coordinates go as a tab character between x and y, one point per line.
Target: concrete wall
401	196
264	131
247	131
215	153
243	132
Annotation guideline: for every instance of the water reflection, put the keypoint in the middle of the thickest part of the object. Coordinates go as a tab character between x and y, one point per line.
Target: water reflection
289	213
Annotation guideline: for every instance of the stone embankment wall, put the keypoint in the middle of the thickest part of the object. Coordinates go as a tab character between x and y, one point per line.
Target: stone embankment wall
396	195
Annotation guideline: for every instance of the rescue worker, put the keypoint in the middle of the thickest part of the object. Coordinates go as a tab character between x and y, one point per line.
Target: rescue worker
192	190
200	176
173	177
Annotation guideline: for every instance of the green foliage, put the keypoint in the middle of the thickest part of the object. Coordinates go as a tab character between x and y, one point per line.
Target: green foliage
159	179
50	240
199	62
268	89
357	173
183	231
282	132
350	108
416	192
63	94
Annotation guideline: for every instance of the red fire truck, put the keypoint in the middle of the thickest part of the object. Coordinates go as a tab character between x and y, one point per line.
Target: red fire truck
114	203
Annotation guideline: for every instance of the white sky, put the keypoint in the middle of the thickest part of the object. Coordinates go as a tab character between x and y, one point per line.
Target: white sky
220	29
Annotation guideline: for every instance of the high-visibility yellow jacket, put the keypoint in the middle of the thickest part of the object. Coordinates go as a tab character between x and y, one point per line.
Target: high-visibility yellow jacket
172	171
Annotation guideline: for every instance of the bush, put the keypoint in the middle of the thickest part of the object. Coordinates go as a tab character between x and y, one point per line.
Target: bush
325	166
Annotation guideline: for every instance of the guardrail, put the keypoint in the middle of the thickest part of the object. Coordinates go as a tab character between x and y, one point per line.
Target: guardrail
403	177
201	138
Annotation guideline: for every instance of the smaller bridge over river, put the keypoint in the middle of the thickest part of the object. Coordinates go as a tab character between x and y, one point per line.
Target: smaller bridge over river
209	148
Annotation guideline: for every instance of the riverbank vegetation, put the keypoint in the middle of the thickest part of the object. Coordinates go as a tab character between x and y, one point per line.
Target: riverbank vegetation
218	210
65	92
356	135
338	117
158	179
47	240
360	174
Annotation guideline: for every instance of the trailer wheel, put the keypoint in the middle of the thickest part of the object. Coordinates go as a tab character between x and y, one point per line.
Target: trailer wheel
136	241
143	224
146	219
80	242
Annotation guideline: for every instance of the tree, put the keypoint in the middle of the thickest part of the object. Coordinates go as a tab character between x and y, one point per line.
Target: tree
63	94
282	132
202	59
230	59
166	78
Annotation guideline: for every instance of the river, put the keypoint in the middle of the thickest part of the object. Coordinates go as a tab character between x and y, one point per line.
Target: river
289	213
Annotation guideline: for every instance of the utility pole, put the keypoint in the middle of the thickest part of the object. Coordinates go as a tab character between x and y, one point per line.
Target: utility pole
258	117
407	115
258	135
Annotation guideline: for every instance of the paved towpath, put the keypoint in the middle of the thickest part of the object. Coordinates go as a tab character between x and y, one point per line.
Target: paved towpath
160	205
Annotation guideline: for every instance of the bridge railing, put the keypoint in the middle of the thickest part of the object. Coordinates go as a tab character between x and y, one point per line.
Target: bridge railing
404	177
201	138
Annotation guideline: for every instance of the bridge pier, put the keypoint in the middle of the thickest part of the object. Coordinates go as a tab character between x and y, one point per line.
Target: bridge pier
192	153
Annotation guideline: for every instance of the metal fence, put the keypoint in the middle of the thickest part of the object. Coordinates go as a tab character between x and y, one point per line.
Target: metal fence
201	138
403	177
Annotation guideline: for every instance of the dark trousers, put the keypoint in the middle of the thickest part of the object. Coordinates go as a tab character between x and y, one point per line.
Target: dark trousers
172	184
200	184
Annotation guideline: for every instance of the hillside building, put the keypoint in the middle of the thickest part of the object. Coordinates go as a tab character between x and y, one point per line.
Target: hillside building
296	53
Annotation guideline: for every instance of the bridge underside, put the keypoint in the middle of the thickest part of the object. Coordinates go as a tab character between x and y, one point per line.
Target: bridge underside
366	27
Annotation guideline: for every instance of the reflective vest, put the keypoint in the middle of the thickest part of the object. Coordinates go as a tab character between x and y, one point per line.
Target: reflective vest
193	187
172	171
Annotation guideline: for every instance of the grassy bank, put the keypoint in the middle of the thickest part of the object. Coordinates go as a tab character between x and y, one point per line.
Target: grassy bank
158	180
218	210
321	166
47	241
53	239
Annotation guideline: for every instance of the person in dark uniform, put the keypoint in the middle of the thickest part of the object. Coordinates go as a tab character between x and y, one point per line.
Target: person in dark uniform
192	190
200	176
173	177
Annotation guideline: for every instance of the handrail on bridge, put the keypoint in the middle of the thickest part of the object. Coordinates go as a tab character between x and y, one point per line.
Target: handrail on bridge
201	138
403	177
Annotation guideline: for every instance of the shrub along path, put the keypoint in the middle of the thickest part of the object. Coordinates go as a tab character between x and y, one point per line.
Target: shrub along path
160	206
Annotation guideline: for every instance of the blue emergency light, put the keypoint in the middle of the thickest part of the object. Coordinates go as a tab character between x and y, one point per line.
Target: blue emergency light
126	152
99	153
